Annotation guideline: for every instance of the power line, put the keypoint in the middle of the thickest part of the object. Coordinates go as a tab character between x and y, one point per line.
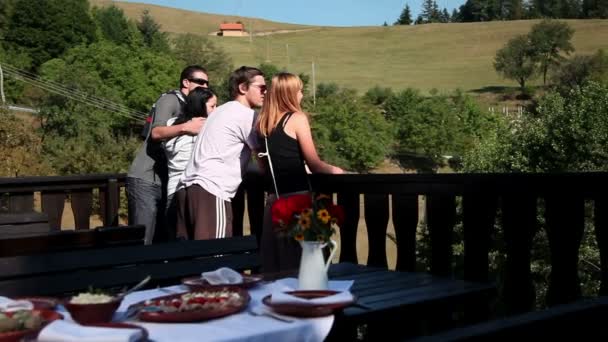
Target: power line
74	94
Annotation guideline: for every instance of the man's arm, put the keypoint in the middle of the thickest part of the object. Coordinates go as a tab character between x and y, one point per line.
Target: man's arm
167	107
191	127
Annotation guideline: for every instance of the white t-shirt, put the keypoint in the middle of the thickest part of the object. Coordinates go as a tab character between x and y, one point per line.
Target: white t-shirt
222	150
178	151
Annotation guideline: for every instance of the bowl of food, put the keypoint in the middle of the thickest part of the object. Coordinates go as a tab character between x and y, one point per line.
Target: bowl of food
88	307
23	324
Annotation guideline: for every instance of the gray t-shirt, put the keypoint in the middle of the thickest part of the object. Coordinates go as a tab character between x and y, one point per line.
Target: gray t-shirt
143	167
222	150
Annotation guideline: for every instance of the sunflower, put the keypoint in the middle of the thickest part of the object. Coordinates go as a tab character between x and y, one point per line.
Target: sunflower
299	237
304	221
307	212
323	215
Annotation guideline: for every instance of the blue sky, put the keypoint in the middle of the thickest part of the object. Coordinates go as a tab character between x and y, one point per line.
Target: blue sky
310	12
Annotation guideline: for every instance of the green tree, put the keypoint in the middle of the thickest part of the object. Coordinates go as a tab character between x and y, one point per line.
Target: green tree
153	37
516	10
516	61
192	49
349	133
563	133
20	147
113	24
133	78
377	96
6	10
550	39
581	69
45	29
431	127
406	16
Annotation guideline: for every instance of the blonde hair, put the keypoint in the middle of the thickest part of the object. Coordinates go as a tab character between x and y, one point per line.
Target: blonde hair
282	97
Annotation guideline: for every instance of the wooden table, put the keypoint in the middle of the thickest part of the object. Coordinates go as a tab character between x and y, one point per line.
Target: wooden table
406	303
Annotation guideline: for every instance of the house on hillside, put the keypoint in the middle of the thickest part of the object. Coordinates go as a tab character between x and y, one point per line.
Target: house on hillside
232	30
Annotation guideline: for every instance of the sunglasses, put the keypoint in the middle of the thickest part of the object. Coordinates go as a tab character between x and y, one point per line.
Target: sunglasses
199	81
261	86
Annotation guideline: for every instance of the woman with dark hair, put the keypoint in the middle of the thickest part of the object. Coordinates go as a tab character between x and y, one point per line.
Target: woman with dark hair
200	102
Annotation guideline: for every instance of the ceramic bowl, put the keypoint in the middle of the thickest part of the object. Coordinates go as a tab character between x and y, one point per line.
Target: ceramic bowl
92	313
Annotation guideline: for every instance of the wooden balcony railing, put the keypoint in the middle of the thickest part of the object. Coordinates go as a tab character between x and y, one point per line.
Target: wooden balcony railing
515	200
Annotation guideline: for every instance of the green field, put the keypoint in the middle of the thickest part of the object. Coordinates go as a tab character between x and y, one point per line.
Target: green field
442	56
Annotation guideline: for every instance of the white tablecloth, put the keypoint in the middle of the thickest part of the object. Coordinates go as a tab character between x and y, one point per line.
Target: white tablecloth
238	327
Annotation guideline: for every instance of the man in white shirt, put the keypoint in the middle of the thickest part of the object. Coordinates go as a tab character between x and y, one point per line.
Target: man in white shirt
221	154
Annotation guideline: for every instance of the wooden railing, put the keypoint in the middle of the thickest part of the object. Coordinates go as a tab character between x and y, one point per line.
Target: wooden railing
516	200
18	196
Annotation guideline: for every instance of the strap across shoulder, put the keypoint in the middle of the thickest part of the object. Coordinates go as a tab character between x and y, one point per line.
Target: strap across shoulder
285	118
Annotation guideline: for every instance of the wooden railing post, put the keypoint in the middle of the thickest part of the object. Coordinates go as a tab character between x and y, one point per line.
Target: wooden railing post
82	206
376	220
53	203
112	198
441	217
565	217
405	220
600	214
348	231
519	226
479	215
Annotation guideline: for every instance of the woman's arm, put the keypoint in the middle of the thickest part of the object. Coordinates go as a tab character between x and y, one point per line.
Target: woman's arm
300	126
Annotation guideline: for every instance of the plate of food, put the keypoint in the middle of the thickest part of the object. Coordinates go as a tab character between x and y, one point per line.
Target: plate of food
48	303
308	309
17	325
196	283
199	305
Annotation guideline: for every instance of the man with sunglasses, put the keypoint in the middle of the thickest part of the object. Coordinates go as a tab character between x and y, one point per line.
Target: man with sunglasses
219	158
147	177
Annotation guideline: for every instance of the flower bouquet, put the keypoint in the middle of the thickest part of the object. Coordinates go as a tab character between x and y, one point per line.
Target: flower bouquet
305	219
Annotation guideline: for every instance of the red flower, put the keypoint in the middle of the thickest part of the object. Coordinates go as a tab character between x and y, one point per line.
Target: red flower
338	212
284	208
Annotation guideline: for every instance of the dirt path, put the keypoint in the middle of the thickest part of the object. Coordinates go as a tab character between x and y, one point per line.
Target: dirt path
268	33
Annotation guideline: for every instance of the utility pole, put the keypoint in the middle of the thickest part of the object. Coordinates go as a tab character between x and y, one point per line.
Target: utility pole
287	51
314	86
250	31
268	49
2	86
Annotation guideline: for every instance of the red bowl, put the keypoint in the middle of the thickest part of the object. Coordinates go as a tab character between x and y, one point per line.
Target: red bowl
92	313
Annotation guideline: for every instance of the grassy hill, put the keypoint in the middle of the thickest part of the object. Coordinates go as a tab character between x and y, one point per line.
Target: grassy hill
178	21
442	56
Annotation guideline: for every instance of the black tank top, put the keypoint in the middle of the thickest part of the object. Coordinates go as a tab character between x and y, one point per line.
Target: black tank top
287	160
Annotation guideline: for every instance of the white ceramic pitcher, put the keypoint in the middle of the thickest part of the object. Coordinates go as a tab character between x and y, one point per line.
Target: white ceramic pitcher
313	267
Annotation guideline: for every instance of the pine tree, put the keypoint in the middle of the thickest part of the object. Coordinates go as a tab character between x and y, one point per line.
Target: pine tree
445	16
153	36
406	16
428	11
516	10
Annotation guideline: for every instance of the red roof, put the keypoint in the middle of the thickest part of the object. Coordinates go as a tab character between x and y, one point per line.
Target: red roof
232	26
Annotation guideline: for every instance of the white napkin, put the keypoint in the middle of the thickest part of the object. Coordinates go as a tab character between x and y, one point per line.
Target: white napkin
10	305
281	286
223	275
285	298
291	284
65	331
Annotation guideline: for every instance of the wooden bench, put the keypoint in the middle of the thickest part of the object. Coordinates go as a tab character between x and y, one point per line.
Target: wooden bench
583	320
23	224
68	272
73	240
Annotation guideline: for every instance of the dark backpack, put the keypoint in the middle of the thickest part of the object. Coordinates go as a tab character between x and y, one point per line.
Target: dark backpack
150	118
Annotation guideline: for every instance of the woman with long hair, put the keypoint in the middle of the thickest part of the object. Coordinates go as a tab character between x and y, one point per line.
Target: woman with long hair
291	149
200	102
